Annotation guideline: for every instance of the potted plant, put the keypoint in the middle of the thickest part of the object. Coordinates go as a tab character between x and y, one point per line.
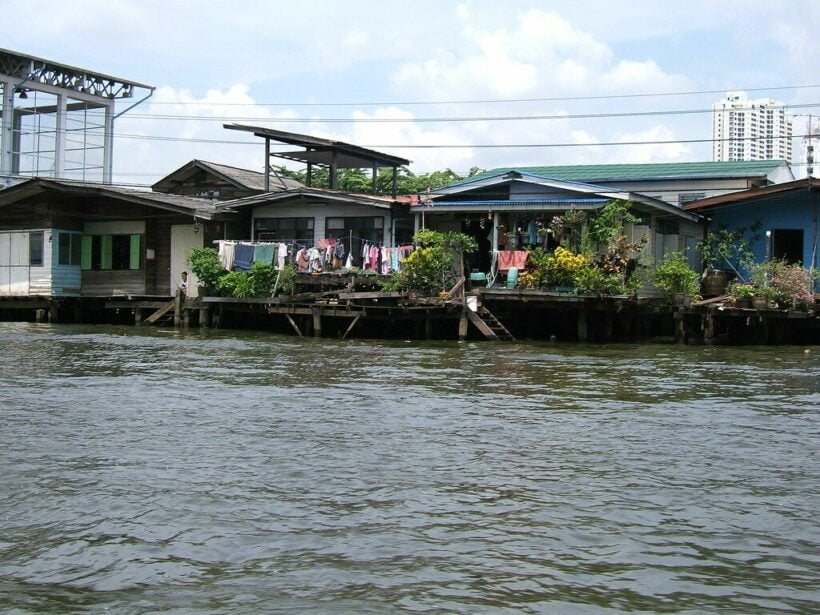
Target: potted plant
743	294
675	278
724	252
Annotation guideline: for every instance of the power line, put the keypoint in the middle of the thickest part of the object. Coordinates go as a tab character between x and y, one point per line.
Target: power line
487	101
470	145
422	120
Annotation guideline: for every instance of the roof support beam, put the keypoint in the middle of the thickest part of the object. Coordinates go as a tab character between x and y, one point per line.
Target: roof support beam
267	164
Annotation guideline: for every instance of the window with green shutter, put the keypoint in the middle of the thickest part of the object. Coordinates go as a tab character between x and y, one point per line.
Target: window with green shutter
85	259
112	252
106	251
134	256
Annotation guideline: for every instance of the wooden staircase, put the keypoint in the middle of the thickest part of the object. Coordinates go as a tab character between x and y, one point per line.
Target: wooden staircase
163	311
492	328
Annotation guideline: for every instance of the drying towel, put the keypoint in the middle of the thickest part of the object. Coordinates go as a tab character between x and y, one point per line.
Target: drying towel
516	258
242	257
264	253
226	251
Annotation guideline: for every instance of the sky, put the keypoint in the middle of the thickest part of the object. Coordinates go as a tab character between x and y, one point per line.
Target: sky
585	81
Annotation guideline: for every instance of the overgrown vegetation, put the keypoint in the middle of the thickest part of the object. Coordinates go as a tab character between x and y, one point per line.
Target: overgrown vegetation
730	249
609	270
435	265
260	281
360	181
674	276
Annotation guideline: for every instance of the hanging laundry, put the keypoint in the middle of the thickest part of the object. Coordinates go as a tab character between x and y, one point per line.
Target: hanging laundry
374	258
263	253
243	257
315	260
226	254
532	231
281	255
302	261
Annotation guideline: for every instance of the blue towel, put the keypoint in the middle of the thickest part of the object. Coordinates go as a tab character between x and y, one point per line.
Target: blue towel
242	257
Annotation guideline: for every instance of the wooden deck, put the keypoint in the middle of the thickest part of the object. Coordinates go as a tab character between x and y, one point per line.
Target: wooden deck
339	310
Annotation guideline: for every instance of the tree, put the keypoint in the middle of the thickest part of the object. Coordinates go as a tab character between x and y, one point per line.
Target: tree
360	181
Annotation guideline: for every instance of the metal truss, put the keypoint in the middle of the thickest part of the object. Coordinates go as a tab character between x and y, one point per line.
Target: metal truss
37	71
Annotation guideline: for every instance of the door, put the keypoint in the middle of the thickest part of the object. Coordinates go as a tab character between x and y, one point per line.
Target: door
183	238
14	264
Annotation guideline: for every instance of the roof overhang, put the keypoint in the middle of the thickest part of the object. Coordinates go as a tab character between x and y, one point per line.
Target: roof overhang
750	196
198	208
305	194
589	196
324	152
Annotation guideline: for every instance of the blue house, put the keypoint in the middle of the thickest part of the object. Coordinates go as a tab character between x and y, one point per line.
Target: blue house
786	213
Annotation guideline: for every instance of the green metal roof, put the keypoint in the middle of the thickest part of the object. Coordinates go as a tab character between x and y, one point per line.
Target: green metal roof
664	170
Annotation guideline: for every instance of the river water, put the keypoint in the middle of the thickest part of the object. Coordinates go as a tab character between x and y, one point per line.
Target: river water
157	471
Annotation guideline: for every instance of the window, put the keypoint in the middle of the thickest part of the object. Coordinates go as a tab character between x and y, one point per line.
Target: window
787	244
111	252
69	249
368	228
35	249
688	197
298	230
354	231
664	227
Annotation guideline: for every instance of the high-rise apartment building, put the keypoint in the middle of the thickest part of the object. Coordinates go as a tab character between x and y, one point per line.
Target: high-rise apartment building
744	129
810	150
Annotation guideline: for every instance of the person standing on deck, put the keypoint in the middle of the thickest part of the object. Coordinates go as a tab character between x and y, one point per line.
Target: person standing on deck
182	285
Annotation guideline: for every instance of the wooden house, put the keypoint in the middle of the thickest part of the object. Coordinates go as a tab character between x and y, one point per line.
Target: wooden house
785	213
209	180
63	238
509	206
304	216
677	183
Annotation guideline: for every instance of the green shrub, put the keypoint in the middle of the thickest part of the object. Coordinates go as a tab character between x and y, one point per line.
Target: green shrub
206	266
674	276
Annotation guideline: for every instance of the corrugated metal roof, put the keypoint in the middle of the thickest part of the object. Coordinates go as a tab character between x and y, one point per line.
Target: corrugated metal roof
503	202
184	204
254	180
615	172
242	178
750	195
382	202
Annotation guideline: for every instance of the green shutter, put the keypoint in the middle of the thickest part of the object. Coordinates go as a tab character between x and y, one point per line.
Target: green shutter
85	259
107	245
135	251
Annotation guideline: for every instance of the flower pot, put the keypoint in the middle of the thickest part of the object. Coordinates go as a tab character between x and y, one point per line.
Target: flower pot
714	282
760	303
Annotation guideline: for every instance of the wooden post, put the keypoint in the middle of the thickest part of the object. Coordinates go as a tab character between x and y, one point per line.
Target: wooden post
317	322
680	332
428	328
53	313
463	323
178	309
607	326
138	316
204	317
583	326
40	316
352	324
709	328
